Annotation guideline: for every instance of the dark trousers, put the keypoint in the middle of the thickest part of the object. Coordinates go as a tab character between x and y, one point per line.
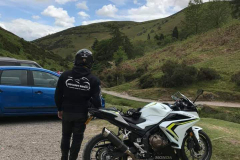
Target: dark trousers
72	126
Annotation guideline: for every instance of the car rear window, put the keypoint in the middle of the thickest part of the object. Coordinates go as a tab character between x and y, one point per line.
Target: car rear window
29	65
2	63
14	77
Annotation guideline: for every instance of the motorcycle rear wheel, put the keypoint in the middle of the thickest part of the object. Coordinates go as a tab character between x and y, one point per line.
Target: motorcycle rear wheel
95	145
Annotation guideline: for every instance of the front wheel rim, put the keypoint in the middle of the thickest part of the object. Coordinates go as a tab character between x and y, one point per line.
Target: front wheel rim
202	154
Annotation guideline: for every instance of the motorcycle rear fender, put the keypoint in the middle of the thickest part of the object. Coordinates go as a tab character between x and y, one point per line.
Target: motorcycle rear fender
196	130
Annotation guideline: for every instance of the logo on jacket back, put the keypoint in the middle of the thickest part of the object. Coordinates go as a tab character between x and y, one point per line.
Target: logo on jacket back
78	84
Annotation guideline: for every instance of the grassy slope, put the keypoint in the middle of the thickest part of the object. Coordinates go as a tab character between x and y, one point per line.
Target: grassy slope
218	49
71	40
15	47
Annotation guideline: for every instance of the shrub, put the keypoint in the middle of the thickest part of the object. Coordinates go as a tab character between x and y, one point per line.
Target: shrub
128	72
53	69
236	78
147	81
176	75
207	74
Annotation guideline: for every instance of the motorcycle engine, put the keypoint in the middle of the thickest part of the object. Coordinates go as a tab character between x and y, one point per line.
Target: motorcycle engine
158	141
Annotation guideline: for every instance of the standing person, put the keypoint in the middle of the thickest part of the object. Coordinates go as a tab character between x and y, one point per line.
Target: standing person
74	90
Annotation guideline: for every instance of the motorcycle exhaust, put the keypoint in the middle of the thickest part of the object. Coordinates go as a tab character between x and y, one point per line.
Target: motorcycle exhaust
117	142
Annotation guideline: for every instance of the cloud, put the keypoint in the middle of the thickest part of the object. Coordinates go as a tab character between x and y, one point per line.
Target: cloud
84	15
2	25
64	1
96	21
82	5
154	9
136	2
107	11
61	16
119	2
29	30
33	4
36	17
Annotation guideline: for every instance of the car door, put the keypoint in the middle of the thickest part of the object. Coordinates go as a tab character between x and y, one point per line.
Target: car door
44	85
15	94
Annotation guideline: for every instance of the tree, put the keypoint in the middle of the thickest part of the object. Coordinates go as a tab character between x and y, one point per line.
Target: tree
119	56
95	44
218	12
138	48
148	38
102	53
236	8
156	37
161	37
175	33
69	58
194	16
128	47
119	39
104	50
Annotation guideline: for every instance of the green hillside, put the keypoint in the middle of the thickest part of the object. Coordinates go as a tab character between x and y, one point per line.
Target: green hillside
218	49
15	47
71	40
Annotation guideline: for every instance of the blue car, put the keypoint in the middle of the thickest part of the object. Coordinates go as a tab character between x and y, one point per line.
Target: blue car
27	91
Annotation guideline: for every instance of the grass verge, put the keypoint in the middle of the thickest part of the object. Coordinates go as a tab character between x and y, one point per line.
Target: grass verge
125	104
222	113
225	137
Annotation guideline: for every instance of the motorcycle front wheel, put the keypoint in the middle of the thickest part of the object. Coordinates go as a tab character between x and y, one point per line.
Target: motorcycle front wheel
97	149
188	152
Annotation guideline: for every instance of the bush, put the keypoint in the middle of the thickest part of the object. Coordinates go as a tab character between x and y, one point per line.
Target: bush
138	49
207	74
236	78
147	81
176	75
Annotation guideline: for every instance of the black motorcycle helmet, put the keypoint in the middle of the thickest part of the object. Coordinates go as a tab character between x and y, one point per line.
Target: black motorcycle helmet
84	58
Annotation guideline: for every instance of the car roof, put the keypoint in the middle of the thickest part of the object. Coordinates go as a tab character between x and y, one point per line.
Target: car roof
8	59
27	68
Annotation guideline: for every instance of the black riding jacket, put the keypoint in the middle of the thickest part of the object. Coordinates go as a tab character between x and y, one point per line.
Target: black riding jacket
74	90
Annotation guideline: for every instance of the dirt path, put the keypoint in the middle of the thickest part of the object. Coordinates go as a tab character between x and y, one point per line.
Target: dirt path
220	104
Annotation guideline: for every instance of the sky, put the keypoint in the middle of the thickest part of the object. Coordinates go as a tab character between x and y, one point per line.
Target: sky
32	19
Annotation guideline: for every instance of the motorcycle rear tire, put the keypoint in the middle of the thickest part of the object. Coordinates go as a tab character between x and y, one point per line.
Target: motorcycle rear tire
90	144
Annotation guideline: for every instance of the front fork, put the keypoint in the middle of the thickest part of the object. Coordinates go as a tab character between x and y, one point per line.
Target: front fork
194	133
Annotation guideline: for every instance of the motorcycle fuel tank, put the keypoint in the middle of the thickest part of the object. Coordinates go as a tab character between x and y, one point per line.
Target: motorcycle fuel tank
153	113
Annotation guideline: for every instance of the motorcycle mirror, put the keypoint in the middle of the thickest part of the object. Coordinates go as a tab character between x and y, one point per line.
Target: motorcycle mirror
199	93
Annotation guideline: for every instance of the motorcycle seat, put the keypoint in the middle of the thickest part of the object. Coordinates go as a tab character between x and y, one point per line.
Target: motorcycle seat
133	120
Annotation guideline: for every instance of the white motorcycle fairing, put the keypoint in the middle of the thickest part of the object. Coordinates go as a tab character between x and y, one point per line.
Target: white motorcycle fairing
153	113
176	130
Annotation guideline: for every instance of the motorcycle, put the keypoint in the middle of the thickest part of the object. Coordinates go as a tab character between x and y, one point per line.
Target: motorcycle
156	131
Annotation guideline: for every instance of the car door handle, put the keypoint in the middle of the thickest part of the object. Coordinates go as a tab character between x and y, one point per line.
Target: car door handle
38	92
1	91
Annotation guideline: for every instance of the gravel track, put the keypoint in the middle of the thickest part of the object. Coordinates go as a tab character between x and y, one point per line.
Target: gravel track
211	103
36	138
